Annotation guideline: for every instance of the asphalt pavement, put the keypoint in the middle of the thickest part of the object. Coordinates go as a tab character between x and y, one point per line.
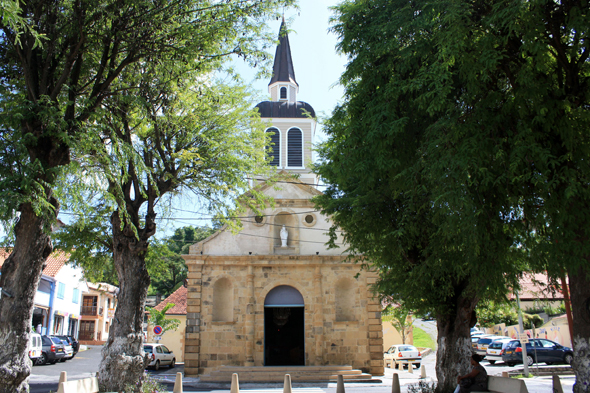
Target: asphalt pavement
44	379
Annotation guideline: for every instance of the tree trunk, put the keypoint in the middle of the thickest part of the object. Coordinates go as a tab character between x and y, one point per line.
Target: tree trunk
123	358
20	277
580	299
453	356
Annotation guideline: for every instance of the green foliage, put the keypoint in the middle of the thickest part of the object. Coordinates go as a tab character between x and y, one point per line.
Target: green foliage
400	318
491	313
147	384
165	264
158	318
425	215
547	309
422	339
422	387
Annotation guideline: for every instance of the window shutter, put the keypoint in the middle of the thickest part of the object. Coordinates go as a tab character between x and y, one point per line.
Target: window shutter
294	148
274	150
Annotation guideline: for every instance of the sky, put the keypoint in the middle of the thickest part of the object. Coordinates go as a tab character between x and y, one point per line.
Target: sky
313	48
317	70
317	66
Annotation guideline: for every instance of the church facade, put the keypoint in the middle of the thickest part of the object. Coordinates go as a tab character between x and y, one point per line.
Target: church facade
274	294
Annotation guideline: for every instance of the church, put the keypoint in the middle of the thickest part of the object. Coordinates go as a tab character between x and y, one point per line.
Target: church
273	296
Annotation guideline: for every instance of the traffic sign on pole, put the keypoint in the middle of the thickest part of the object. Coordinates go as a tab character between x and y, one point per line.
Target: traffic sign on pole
158	330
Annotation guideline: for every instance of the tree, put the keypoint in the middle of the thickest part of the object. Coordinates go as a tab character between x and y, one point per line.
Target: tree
50	97
490	103
196	134
165	264
400	318
158	318
440	237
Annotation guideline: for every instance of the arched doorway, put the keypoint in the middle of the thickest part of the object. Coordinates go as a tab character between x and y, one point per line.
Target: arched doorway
284	332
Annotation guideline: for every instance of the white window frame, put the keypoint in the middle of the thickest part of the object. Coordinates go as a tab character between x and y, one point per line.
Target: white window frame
280	166
302	149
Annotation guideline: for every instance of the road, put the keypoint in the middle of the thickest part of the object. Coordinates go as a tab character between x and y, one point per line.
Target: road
44	378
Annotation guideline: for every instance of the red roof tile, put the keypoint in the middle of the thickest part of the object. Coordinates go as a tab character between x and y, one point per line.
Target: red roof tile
54	262
179	300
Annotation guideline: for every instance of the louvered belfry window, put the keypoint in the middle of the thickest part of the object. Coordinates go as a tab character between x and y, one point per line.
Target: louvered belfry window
294	148
274	148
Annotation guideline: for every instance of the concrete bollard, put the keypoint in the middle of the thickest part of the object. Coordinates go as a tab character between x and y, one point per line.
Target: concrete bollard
235	384
287	387
505	374
557	384
395	388
340	384
411	367
422	372
178	383
63	377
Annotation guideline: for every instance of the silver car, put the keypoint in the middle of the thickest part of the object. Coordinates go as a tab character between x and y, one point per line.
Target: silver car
495	350
159	355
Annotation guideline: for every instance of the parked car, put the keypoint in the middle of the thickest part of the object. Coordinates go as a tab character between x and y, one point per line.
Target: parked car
539	350
496	349
159	355
67	349
69	340
484	342
35	346
475	339
401	355
52	350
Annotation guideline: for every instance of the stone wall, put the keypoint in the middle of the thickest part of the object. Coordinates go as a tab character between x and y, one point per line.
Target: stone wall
346	331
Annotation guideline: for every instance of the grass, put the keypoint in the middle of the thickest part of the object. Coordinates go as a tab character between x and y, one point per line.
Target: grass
423	339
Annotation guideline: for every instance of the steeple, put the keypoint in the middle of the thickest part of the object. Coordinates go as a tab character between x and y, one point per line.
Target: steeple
282	85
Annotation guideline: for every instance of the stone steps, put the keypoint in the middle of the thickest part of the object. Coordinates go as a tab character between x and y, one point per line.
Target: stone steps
277	374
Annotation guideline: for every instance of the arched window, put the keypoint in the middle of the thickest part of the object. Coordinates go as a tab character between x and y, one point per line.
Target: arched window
223	301
274	149
294	148
283	93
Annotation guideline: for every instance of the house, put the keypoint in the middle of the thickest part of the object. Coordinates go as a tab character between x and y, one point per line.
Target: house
57	301
98	310
173	339
274	294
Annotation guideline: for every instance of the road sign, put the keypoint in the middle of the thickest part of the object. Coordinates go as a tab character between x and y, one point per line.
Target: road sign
158	329
158	338
524	338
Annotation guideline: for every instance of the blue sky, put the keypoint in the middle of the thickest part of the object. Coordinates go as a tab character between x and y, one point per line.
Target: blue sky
317	69
313	48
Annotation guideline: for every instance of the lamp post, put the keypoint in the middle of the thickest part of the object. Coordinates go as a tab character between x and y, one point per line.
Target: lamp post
521	334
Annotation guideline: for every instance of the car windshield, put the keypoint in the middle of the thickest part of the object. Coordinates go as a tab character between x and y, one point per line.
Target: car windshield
56	340
484	341
147	349
496	345
407	348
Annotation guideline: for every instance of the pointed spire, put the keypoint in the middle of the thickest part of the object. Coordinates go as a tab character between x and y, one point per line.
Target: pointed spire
282	70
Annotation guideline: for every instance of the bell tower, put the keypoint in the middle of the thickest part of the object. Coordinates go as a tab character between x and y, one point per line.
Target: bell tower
291	124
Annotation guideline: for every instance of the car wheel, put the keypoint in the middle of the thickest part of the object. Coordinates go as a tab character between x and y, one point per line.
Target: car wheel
510	364
530	360
418	366
63	360
157	365
492	361
53	362
173	363
568	358
42	360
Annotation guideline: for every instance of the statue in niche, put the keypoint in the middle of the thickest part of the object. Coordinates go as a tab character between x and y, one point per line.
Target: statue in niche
284	235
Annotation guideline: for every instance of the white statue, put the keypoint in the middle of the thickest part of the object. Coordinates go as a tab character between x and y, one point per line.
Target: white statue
284	236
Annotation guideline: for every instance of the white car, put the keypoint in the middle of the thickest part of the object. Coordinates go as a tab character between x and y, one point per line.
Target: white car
401	355
159	355
35	347
495	350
